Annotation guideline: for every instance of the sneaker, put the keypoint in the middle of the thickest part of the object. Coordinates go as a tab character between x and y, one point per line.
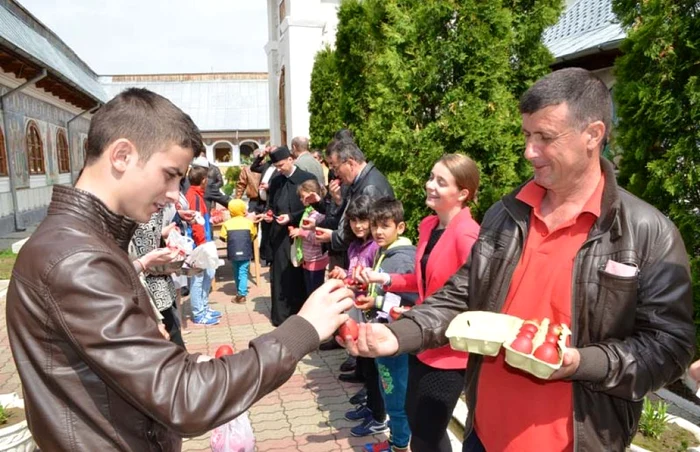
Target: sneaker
360	413
369	427
384	446
348	365
351	378
360	398
240	299
206	320
213	313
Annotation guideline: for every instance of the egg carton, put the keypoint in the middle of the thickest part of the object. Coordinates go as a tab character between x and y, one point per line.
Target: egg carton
481	332
528	362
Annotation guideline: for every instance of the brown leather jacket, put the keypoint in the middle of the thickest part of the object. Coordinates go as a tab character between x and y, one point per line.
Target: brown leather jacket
248	182
96	373
635	334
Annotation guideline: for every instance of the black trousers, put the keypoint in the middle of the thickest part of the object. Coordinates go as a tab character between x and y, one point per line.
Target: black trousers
171	320
431	397
375	401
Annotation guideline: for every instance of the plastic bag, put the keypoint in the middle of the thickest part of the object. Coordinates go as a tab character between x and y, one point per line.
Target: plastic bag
234	436
204	256
180	243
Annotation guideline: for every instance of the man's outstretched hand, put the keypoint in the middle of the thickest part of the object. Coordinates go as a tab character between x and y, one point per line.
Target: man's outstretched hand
326	307
374	339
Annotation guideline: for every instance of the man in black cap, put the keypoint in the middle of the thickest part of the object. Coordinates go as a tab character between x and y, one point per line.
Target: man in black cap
288	291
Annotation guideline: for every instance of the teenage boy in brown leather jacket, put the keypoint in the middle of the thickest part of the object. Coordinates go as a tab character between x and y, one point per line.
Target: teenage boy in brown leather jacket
96	373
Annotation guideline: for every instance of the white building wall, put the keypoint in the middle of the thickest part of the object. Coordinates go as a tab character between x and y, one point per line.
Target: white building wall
293	44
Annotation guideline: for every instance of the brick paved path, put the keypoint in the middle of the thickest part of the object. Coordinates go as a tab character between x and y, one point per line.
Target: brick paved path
305	414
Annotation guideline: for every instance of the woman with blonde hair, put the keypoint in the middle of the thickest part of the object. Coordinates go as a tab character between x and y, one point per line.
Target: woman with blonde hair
436	377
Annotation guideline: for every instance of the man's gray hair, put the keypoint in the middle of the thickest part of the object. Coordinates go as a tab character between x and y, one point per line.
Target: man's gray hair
346	149
585	94
301	143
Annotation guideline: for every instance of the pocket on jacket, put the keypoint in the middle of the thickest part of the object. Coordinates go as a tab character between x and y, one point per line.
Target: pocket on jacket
616	305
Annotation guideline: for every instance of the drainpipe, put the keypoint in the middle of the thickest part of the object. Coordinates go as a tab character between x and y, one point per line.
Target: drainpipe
10	154
70	136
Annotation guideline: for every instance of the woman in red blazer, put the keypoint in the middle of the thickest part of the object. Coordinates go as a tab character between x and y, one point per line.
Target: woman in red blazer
436	377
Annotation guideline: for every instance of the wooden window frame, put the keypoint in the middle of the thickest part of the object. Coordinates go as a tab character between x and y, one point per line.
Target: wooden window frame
62	152
36	162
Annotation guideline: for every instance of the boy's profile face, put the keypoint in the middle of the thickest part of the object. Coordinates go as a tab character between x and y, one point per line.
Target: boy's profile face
145	186
385	232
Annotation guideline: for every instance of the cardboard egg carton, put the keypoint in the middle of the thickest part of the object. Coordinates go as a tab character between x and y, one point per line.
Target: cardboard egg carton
484	333
527	361
481	332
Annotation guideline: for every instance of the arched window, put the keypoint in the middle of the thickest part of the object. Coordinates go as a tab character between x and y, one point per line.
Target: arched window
62	148
35	150
3	155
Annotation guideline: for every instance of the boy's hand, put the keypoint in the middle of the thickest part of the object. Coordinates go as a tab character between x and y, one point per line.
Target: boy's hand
369	276
364	302
337	273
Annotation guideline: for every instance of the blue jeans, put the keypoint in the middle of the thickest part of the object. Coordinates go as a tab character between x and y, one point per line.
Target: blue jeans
393	376
240	276
313	280
199	293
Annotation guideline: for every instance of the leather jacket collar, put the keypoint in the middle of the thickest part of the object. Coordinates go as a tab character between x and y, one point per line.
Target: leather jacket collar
93	212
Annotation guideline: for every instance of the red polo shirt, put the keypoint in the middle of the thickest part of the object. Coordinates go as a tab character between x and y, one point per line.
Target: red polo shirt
517	411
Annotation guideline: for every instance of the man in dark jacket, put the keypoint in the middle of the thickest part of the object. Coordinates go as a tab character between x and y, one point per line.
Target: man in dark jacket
97	373
571	246
361	177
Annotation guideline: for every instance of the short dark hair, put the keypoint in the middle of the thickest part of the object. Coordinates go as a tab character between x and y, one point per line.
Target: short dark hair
385	209
197	175
358	210
346	149
585	94
150	121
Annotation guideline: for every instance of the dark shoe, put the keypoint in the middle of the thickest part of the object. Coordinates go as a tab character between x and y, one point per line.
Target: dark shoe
350	378
329	345
370	427
359	413
348	365
359	398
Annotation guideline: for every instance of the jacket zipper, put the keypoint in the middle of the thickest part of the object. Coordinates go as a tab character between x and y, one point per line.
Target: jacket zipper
574	325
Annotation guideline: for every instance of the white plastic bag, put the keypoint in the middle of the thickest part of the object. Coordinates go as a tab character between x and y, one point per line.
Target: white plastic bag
180	243
204	256
234	436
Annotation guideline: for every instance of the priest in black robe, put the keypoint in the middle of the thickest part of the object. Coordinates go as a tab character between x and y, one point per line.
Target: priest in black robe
288	291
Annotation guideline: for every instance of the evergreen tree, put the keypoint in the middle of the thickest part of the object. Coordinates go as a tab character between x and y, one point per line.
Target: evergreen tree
324	100
419	79
657	94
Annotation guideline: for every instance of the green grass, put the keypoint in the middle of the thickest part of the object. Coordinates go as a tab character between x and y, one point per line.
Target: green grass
7	261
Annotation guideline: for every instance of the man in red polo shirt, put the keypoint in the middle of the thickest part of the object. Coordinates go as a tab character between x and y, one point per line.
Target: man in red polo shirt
570	245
